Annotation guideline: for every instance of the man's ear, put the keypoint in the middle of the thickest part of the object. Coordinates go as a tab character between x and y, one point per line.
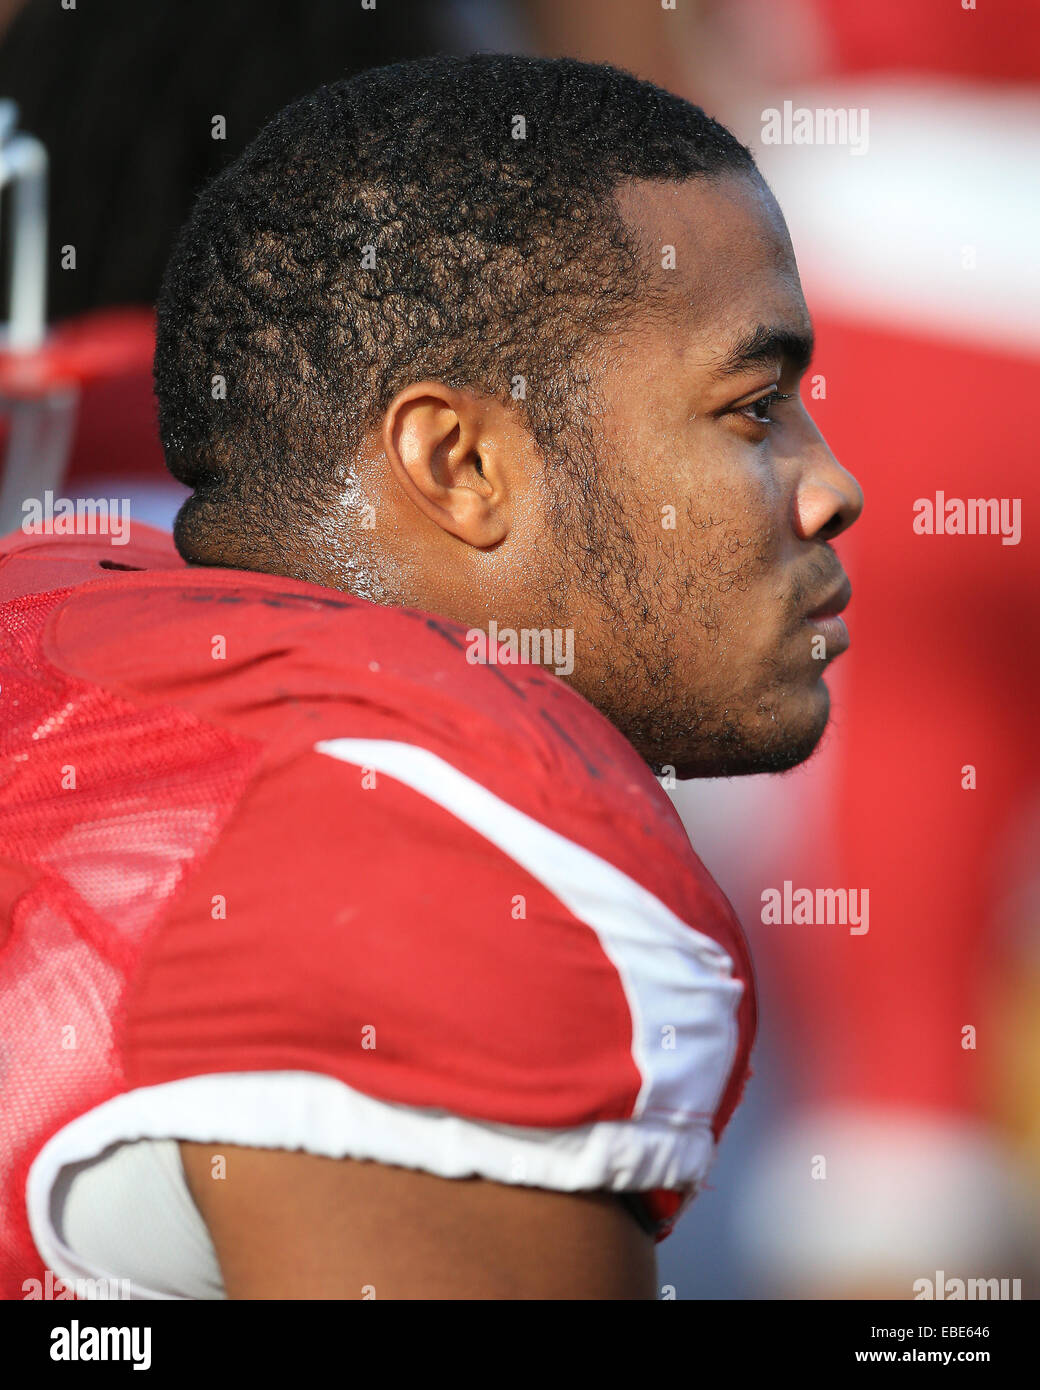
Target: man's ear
444	453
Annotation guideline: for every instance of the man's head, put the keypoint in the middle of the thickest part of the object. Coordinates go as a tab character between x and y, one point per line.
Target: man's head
503	338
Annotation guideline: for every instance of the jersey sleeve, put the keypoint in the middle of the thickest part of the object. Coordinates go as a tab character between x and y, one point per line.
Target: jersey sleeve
384	959
451	922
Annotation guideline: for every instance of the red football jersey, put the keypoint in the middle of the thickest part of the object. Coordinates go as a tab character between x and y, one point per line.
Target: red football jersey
282	867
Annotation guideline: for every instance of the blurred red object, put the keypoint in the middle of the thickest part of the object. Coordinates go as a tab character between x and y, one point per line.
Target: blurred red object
107	356
998	43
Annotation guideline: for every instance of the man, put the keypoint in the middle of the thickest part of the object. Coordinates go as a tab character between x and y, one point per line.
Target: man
395	973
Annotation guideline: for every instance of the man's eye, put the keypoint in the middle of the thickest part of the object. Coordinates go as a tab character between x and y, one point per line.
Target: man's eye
758	411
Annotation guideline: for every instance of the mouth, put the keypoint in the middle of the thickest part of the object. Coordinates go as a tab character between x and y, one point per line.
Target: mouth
836	603
826	620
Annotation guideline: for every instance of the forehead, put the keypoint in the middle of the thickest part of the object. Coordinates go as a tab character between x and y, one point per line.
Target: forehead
733	266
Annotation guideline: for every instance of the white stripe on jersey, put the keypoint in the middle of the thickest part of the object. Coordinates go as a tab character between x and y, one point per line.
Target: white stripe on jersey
678	983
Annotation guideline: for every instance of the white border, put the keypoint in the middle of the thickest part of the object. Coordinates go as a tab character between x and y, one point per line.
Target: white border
320	1115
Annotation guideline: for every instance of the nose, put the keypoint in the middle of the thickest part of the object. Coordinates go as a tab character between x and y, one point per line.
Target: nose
828	498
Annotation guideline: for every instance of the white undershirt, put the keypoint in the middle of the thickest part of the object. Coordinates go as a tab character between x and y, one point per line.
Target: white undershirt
129	1214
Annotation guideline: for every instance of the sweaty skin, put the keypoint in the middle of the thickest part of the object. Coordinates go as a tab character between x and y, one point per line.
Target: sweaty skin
687	574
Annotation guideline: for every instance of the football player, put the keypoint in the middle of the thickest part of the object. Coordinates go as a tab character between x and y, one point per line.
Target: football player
349	951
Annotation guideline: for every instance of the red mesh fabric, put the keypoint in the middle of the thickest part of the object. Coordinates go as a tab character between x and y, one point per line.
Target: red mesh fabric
104	808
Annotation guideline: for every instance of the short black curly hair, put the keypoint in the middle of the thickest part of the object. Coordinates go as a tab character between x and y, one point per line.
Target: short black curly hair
450	218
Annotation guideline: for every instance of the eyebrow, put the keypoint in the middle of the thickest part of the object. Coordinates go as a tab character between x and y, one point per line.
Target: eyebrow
766	344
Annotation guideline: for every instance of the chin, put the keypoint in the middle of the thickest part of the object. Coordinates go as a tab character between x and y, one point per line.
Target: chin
762	743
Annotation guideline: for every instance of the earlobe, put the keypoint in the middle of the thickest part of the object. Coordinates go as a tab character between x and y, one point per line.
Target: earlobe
440	457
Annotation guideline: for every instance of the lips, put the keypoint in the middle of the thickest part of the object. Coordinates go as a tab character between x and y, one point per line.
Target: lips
836	603
826	623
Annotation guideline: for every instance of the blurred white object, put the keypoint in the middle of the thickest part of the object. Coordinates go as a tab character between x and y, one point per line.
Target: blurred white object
936	226
23	166
39	400
898	1195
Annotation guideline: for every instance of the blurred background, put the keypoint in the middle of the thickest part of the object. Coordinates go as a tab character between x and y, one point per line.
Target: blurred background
906	1058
